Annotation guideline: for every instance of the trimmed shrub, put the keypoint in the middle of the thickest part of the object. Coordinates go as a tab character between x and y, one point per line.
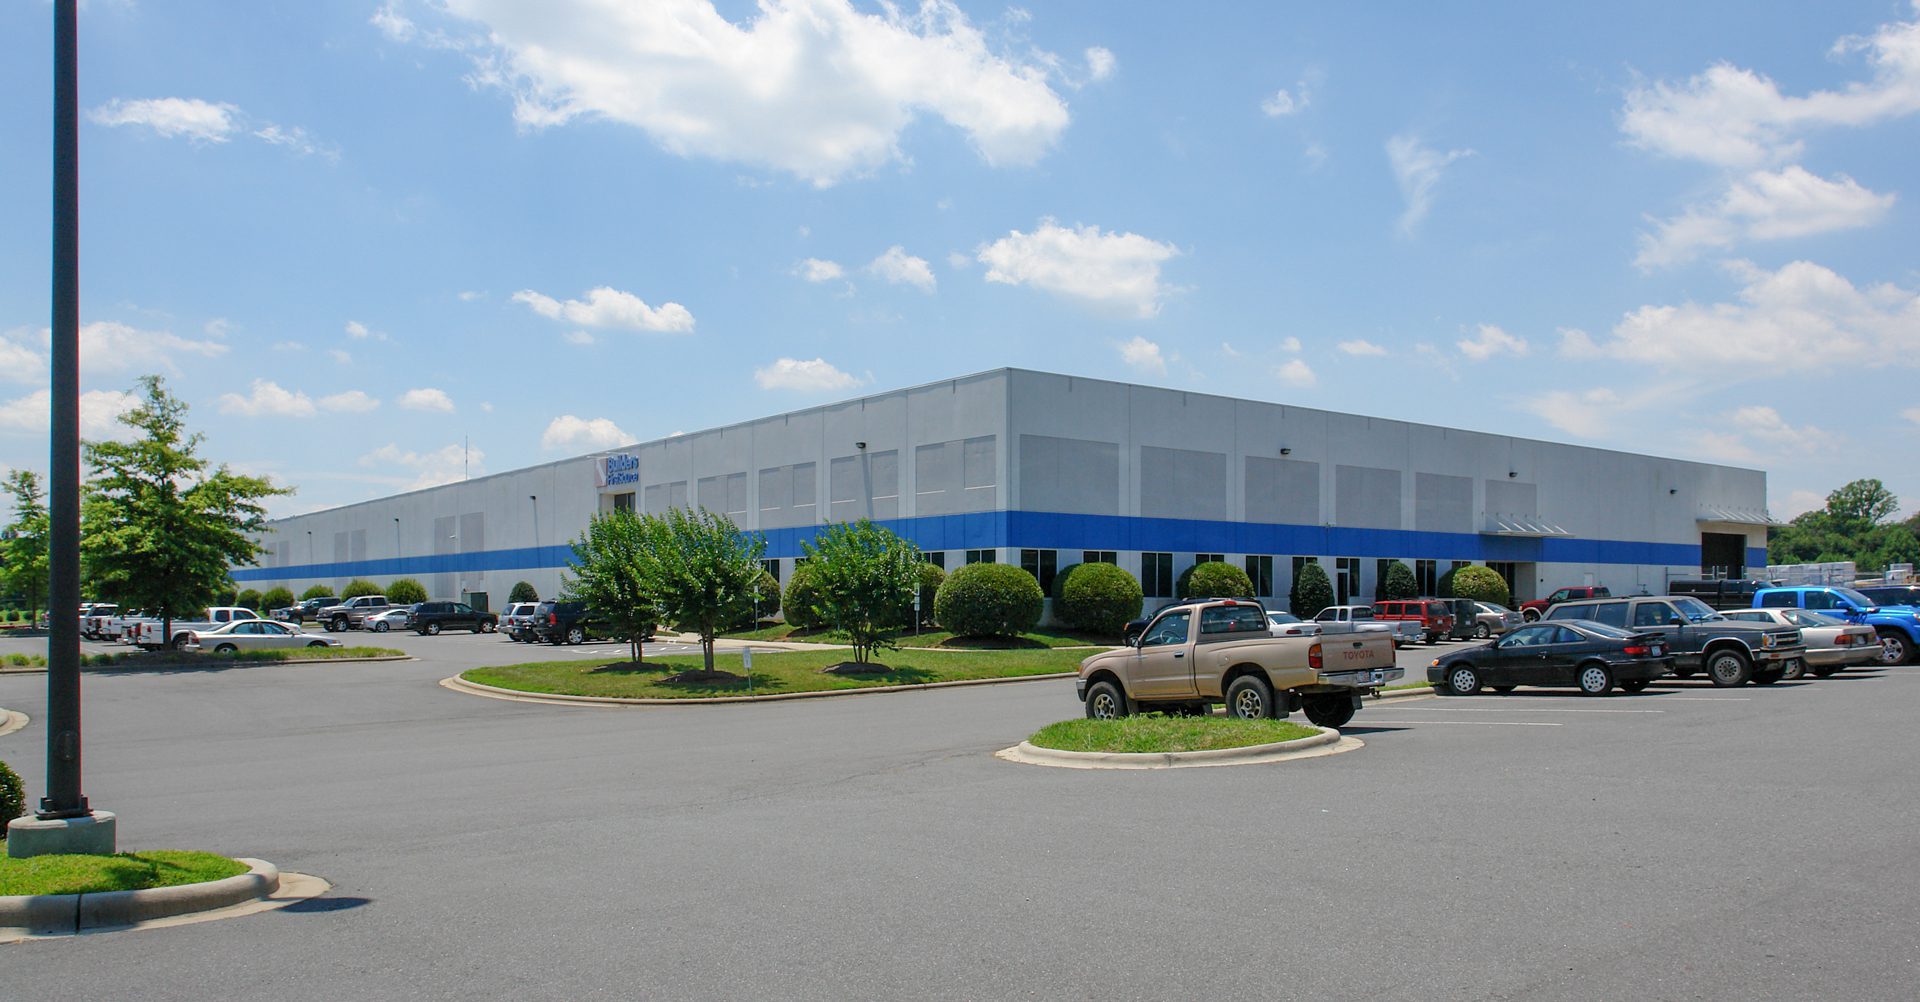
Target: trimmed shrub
276	598
13	797
358	587
226	595
1443	588
523	592
317	591
802	601
405	591
1096	598
1311	591
248	598
1399	583
1213	579
1482	584
932	576
766	600
988	600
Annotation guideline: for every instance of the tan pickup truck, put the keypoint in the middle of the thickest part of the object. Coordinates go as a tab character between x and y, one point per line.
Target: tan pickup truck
1223	651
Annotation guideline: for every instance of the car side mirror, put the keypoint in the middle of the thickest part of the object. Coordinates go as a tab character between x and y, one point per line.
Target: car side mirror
1676	621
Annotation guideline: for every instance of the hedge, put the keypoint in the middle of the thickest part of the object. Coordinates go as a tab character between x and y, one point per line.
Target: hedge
988	600
13	797
1213	579
275	598
1399	583
406	591
1096	598
248	599
523	592
317	591
358	587
1481	584
1311	591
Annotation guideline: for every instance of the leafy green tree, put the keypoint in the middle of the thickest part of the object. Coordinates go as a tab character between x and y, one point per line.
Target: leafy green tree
523	592
1482	584
248	599
1853	526
276	597
1443	588
1398	583
608	574
700	571
1213	579
802	600
766	599
866	575
317	591
1311	591
406	591
1866	500
161	529
932	576
358	587
24	543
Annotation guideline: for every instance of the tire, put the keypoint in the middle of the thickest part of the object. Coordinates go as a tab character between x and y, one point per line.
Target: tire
381	627
1329	710
1503	688
337	624
486	627
1105	701
1463	680
1250	698
179	643
226	649
1825	671
1480	631
318	643
1595	679
1769	676
576	635
1634	685
1895	649
1728	668
1797	668
432	630
1530	615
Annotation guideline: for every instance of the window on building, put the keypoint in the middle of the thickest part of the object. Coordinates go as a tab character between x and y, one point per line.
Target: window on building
1346	579
937	558
1041	564
1426	576
772	567
1209	558
1260	572
1156	575
1505	569
980	556
623	502
1380	574
1457	564
1099	557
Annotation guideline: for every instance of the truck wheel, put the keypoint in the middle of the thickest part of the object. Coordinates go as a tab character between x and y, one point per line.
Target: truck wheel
180	643
1480	631
576	635
1105	701
1728	668
1769	676
1795	669
1463	681
1634	685
1531	615
1894	648
1596	679
1250	698
337	624
433	629
1329	709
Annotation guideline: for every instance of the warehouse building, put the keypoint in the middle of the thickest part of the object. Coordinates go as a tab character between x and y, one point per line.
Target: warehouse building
1046	471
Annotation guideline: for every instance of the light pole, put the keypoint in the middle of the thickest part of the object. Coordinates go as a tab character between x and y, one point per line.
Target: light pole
396	544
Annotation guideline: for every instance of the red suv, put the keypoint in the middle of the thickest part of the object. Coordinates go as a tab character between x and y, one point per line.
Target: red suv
1434	616
1538	607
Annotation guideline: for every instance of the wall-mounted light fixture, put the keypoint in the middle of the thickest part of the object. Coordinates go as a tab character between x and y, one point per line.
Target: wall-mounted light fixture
1285	451
1512	473
1673	490
860	445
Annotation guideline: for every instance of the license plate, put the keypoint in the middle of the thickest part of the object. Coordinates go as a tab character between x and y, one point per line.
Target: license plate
1658	650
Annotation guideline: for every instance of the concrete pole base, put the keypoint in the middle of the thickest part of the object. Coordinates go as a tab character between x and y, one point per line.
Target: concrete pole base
89	836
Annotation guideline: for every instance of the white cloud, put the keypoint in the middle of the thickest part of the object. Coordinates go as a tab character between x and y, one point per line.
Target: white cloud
470	295
1296	373
1143	355
1101	63
268	399
569	432
1109	269
1290	345
1758	434
1491	341
1737	118
1282	103
959	261
608	307
1765	205
445	465
1417	169
899	267
295	139
812	375
1911	414
21	363
578	337
201	121
393	24
814	269
426	399
340	356
349	402
1803	313
1587	413
109	346
99	413
816	88
1360	346
1227	349
358	331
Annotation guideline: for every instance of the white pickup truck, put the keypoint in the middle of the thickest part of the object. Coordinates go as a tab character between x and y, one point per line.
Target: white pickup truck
152	635
1359	619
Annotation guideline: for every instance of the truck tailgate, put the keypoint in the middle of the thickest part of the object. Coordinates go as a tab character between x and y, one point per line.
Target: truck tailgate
1353	651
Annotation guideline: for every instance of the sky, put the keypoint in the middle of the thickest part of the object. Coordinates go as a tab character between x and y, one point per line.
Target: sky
382	245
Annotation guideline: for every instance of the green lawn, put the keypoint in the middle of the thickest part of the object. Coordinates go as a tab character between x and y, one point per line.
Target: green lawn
773	672
1154	733
1420	683
127	871
931	637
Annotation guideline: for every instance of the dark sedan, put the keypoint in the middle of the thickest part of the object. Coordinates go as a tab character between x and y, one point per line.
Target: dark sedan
1592	656
429	618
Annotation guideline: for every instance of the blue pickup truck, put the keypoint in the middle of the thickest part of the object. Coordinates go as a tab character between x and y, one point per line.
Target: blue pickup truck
1897	625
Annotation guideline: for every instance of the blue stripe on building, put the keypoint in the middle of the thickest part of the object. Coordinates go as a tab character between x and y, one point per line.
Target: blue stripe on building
1054	530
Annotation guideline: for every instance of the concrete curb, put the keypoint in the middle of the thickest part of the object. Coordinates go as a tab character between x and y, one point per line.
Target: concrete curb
137	666
66	914
1327	742
458	684
12	720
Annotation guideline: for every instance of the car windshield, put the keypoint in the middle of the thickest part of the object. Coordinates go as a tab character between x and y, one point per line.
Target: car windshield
1603	630
1282	617
1849	595
1695	610
1495	608
1808	617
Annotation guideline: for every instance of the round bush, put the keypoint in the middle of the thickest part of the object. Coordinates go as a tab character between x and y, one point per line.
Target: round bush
766	600
406	591
1311	591
931	578
1096	598
1481	584
1213	579
249	599
523	592
1443	588
802	600
317	591
13	797
358	587
1399	583
988	600
275	598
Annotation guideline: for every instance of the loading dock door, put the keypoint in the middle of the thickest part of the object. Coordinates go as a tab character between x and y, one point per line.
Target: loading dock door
1723	554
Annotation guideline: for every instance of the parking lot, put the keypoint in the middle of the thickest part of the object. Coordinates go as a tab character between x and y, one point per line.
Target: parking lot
1686	842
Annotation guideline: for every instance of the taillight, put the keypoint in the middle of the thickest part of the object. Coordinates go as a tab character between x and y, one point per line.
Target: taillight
1638	650
1843	639
1313	657
553	619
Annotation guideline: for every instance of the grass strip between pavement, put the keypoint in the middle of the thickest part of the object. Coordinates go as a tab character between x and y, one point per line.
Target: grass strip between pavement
773	672
1150	733
127	871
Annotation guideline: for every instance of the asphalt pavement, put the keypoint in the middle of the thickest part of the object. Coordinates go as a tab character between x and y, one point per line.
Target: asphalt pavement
1689	842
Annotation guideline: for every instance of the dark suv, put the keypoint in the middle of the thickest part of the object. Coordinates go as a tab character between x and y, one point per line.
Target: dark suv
570	623
305	609
429	618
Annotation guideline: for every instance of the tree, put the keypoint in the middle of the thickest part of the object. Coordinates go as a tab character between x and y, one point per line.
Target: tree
1866	500
801	601
523	592
248	598
1853	526
1482	584
276	597
161	530
989	600
866	575
359	587
1096	598
700	570
317	591
406	591
24	542
1398	583
1213	579
1311	591
607	574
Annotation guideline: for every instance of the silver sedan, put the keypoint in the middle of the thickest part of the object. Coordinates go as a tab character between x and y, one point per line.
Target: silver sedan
399	617
253	635
1832	642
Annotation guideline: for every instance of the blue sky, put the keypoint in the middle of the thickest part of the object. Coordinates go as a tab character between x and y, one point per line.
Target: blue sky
355	235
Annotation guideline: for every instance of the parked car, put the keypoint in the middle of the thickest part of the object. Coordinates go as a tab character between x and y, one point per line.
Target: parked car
1592	656
430	618
93	618
518	617
1832	642
153	634
1886	595
1359	618
1208	651
1897	625
251	635
305	609
1287	624
393	617
570	623
1721	593
1491	619
1698	637
1434	616
352	614
1533	609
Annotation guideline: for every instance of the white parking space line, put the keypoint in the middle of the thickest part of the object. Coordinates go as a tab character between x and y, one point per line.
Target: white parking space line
1705	699
1529	709
1371	720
